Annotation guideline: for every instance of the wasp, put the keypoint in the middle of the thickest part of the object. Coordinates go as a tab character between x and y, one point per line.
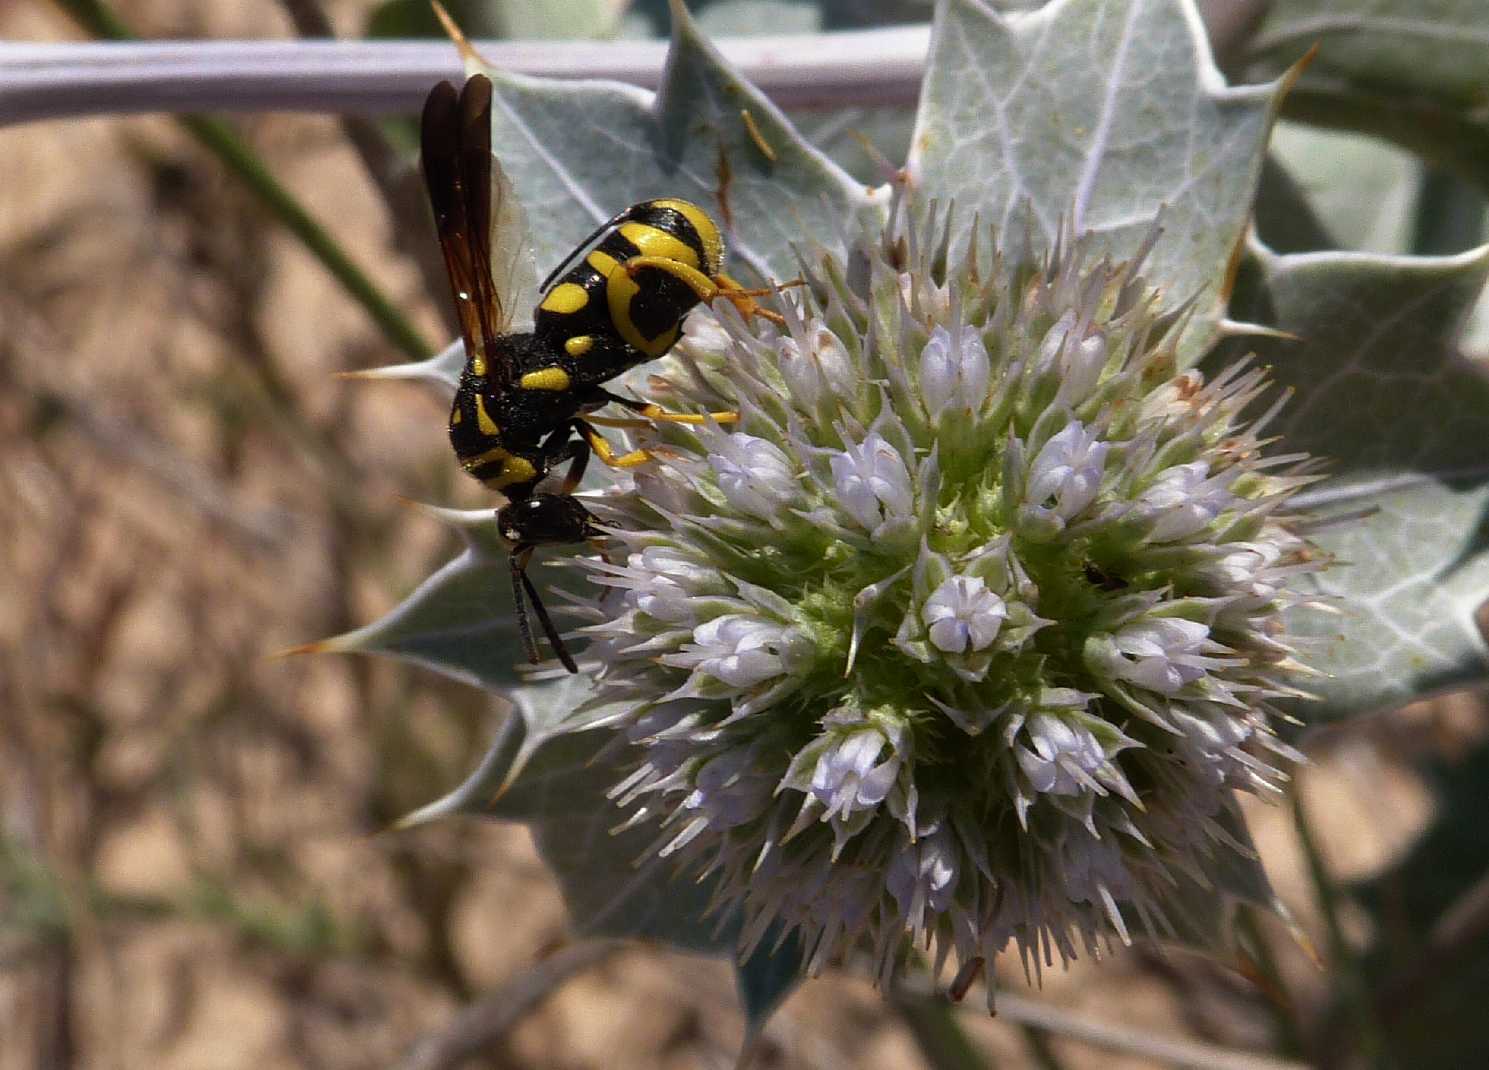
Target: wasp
523	405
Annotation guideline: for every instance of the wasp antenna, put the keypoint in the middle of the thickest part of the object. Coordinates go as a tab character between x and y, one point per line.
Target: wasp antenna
548	629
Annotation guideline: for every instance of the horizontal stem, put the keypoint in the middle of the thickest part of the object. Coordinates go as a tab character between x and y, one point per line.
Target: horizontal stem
51	81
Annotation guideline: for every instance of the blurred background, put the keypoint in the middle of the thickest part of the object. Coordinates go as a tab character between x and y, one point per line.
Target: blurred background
193	867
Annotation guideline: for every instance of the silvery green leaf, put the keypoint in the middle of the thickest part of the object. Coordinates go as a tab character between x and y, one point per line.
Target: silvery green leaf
1100	113
460	621
578	152
553	773
559	18
1383	392
743	18
1413	73
1285	218
1361	188
1437	48
861	140
541	720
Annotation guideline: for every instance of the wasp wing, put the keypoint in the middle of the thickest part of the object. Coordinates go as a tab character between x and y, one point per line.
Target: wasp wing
455	136
514	273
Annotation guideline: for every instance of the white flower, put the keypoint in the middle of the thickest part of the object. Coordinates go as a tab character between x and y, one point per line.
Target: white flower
873	483
667	583
954	376
817	367
1061	748
1066	474
962	612
849	775
1162	654
923	875
1185	501
739	650
754	474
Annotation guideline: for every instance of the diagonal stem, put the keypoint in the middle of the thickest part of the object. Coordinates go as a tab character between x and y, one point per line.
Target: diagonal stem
224	143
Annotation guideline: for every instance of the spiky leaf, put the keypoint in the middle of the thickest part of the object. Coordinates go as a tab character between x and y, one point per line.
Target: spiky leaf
1100	113
1382	391
578	152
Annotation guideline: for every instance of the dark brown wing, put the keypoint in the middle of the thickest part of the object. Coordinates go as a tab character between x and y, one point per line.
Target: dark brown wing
456	145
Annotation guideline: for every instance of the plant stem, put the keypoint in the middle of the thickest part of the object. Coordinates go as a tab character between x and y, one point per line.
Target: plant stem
1288	1034
42	81
224	143
938	1034
1350	987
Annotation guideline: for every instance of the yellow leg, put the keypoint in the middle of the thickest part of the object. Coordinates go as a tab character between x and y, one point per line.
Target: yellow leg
608	456
710	289
616	421
652	413
657	414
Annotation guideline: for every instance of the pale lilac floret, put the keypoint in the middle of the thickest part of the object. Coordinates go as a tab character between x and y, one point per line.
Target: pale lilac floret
849	775
923	874
1059	747
1185	501
1162	654
753	473
729	790
1066	474
739	650
963	613
952	376
873	483
664	583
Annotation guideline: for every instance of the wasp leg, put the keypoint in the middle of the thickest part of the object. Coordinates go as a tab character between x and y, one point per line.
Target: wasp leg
603	451
554	639
519	558
616	421
654	413
522	585
711	288
580	451
561	446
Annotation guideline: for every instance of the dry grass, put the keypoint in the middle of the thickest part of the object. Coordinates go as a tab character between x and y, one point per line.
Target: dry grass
193	874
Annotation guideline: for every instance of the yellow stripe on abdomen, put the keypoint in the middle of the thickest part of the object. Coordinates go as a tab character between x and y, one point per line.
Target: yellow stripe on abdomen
653	241
483	418
550	378
565	298
706	229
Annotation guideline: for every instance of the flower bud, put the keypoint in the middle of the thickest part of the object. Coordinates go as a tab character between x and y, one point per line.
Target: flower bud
873	484
953	377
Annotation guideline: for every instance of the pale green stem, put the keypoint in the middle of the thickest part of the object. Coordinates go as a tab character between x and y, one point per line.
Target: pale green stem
42	81
1350	987
942	1041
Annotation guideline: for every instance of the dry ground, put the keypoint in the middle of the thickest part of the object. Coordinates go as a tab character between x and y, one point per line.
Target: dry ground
192	874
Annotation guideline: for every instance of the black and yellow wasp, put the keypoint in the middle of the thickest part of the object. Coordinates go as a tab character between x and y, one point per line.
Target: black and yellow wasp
523	404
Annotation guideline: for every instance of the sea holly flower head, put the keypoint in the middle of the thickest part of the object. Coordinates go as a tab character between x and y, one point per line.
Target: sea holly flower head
960	603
